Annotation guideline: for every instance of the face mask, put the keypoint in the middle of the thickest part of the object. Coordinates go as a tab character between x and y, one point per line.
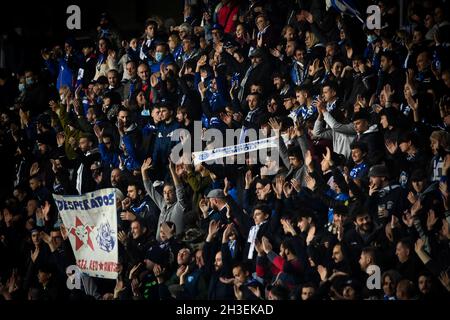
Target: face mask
21	87
370	38
158	56
61	97
29	81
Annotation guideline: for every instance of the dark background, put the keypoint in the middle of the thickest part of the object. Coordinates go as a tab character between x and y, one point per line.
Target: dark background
43	23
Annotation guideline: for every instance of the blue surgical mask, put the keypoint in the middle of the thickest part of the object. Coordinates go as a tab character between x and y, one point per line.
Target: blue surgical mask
159	56
21	87
29	81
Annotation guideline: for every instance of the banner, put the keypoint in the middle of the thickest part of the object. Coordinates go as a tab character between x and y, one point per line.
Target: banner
208	155
91	222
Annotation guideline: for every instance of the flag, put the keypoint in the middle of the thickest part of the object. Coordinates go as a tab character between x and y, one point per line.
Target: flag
346	7
218	153
91	222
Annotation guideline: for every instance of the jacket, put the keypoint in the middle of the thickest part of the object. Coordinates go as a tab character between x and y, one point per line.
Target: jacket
342	135
169	212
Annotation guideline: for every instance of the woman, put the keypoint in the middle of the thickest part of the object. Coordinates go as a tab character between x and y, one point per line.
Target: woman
314	49
389	280
106	60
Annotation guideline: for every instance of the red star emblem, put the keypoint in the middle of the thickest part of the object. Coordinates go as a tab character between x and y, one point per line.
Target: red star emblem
82	234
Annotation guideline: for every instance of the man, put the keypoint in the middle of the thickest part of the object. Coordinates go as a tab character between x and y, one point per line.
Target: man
148	42
340	134
87	68
219	266
106	30
184	119
117	179
427	288
162	56
143	81
213	102
163	142
406	290
223	209
360	168
285	267
129	85
264	225
36	94
425	78
391	75
304	99
86	156
364	233
217	207
114	83
139	243
108	150
408	264
255	113
152	286
245	286
69	65
290	104
294	156
130	138
384	198
368	258
368	135
138	206
281	84
258	70
406	156
189	51
266	34
48	286
188	282
263	192
38	190
172	203
307	292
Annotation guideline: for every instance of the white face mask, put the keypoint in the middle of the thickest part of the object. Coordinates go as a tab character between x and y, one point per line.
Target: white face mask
61	96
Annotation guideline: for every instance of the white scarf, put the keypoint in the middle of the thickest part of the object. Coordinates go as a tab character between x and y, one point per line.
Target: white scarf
252	237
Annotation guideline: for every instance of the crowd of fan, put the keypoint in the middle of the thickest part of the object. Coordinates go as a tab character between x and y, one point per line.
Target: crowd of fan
362	118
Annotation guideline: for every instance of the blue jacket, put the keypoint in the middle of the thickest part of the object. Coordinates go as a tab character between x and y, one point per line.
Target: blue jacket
156	66
110	158
163	143
130	160
68	68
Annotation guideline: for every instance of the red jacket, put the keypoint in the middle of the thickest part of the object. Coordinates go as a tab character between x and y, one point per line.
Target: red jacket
227	17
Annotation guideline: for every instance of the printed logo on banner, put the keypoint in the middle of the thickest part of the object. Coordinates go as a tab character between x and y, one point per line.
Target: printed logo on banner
105	237
82	234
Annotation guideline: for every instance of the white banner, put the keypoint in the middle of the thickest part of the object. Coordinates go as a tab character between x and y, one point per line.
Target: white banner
91	221
213	154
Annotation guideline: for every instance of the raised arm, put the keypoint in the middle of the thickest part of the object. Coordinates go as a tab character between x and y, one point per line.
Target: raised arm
148	184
